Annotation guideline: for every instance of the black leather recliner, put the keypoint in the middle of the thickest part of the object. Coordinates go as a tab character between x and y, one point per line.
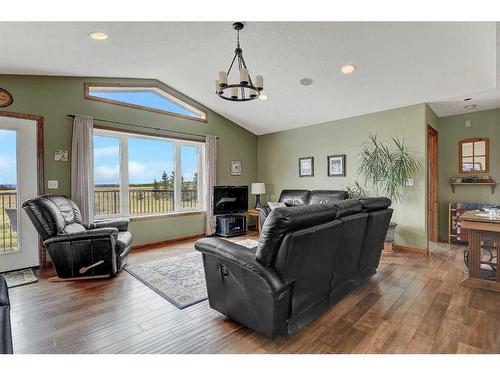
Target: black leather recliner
5	329
308	257
76	250
294	197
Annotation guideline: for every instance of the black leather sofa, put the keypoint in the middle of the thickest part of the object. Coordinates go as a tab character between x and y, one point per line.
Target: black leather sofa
294	197
5	329
76	250
308	257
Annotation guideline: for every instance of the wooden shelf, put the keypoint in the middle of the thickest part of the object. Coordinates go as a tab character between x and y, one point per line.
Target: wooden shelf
492	185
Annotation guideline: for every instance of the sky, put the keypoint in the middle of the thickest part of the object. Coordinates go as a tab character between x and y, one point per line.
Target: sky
146	99
148	158
7	157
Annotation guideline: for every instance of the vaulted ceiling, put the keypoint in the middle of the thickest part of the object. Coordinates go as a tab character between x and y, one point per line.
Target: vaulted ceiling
397	64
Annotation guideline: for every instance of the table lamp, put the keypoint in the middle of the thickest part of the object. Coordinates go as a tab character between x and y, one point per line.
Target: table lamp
258	188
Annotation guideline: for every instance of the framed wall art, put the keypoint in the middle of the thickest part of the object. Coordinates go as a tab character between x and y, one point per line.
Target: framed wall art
306	166
336	165
235	168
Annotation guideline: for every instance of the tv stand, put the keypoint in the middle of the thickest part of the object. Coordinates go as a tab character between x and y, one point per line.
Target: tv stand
231	225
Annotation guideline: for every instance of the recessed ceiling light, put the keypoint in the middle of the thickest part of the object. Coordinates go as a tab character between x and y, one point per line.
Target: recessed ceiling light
263	96
98	35
470	107
306	81
347	68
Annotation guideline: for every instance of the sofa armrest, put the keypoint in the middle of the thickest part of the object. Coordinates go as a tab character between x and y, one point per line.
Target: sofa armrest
86	235
120	223
242	257
264	212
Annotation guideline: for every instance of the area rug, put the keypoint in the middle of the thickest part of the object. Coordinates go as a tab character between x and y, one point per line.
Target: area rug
180	279
248	243
21	277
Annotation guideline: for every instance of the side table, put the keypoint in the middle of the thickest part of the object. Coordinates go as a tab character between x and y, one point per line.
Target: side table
254	213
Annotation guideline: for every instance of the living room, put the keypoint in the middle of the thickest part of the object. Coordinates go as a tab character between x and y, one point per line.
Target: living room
249	187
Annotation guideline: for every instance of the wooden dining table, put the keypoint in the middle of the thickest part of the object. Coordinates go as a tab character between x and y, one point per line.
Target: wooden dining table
481	227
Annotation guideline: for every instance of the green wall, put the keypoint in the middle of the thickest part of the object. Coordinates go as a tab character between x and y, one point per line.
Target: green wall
275	154
451	130
55	97
278	155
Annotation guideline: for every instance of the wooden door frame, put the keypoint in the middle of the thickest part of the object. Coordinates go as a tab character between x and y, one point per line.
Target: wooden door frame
40	162
432	185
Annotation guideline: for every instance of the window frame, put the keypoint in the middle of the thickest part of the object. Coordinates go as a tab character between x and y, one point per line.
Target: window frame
123	136
165	92
474	156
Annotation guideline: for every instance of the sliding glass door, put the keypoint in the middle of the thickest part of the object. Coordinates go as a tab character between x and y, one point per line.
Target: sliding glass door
18	182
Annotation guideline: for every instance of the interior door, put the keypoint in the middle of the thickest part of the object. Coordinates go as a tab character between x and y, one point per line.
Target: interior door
432	182
18	182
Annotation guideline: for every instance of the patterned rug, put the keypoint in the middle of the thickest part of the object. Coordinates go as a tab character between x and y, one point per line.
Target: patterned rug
180	280
249	243
21	277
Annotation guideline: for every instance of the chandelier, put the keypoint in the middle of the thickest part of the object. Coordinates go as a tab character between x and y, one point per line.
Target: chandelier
245	89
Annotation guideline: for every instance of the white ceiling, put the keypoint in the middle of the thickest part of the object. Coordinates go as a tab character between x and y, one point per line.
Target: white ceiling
483	100
397	64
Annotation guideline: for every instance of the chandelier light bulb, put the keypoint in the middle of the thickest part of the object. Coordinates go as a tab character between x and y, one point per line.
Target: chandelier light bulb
222	79
259	82
244	76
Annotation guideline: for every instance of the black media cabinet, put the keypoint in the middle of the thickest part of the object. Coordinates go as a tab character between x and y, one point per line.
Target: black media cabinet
231	225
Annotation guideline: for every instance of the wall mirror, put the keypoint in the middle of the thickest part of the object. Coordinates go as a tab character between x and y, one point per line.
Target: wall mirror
473	155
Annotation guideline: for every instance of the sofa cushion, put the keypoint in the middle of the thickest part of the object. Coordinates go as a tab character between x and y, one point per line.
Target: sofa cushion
73	228
374	204
348	207
284	220
51	214
326	196
293	197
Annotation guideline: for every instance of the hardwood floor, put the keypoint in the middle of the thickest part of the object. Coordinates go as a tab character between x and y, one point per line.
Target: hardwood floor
412	305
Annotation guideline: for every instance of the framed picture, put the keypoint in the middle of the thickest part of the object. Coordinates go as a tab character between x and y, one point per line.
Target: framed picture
235	168
61	155
336	165
306	167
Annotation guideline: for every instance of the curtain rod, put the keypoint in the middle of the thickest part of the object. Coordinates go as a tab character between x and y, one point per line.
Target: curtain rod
148	127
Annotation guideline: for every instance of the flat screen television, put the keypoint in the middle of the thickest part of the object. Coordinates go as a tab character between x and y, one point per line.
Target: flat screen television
230	199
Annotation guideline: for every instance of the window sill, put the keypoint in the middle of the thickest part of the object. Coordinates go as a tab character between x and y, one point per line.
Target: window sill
166	215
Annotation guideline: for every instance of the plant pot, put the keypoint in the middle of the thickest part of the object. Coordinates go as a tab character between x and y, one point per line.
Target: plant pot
390	232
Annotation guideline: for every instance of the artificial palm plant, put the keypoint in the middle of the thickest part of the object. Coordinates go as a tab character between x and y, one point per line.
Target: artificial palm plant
387	169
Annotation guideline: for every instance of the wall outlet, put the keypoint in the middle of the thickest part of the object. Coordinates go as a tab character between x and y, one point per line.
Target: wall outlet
468	123
409	182
53	184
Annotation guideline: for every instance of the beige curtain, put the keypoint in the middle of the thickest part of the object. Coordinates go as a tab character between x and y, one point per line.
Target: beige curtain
210	176
82	163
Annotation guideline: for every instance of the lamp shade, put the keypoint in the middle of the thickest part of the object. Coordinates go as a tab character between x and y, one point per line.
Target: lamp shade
258	188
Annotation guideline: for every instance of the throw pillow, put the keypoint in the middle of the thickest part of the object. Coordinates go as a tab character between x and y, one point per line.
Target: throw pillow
275	205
